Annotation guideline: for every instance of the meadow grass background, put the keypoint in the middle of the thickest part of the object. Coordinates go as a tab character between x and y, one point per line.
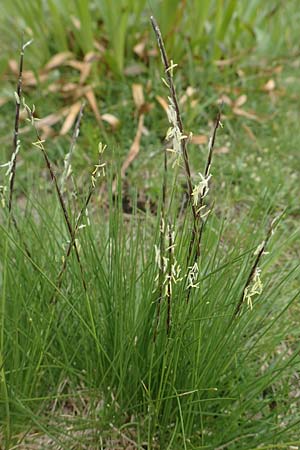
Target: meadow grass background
83	371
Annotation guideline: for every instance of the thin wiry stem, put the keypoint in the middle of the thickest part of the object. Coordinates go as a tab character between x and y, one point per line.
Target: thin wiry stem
72	241
40	145
212	143
161	244
253	269
16	144
206	174
173	96
72	146
16	129
169	289
195	253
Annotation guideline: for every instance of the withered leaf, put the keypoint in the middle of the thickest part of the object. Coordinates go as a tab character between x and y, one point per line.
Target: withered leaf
57	60
70	119
113	121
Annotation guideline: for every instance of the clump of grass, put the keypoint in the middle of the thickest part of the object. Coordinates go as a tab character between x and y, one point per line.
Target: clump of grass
158	340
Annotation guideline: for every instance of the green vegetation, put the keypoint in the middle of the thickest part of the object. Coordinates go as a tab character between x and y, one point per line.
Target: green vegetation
142	304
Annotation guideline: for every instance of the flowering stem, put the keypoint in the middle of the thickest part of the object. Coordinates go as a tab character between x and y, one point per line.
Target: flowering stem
72	146
98	167
206	174
16	144
195	253
40	145
253	269
72	242
173	95
16	130
161	245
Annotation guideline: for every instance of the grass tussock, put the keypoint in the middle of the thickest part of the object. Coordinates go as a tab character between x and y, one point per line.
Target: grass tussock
144	330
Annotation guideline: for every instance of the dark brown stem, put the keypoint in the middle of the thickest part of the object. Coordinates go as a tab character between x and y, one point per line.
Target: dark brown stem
16	144
71	243
59	195
173	95
16	130
206	173
212	143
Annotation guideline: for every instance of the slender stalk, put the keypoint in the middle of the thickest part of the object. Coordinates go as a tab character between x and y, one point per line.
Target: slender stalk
40	145
206	173
197	227
253	269
194	253
72	146
16	129
173	96
71	243
161	244
16	145
169	289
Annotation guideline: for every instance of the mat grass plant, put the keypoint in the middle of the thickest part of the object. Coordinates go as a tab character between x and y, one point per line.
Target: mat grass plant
150	351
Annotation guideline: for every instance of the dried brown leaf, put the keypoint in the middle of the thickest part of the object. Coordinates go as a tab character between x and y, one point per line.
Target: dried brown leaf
240	101
48	121
91	56
47	132
251	135
57	60
240	73
249	132
199	139
138	95
29	78
224	99
90	96
225	62
269	86
54	87
100	47
80	91
86	68
69	87
135	147
13	65
52	119
153	52
113	121
247	114
163	103
76	22
139	49
77	65
83	67
70	119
